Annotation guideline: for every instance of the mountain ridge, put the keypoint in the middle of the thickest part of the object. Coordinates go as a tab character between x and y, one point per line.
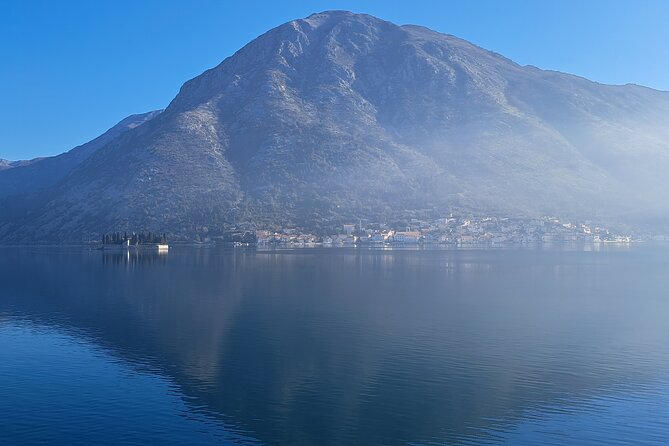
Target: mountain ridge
40	173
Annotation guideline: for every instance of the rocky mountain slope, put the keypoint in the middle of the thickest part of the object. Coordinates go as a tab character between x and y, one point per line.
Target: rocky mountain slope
342	116
41	173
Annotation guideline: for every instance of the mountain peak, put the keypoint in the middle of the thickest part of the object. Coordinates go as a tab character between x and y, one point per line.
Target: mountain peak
329	16
332	14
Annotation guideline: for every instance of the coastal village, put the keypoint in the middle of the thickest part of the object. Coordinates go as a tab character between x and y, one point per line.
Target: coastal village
453	231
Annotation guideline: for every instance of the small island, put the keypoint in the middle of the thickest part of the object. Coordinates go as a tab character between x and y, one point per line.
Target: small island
146	241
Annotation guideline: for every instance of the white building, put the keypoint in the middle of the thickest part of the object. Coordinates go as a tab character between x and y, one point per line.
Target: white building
406	237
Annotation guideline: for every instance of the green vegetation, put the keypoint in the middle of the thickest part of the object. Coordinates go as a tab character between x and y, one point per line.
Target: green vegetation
142	238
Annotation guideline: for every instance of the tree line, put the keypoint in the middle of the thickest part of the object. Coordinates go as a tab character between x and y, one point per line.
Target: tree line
141	238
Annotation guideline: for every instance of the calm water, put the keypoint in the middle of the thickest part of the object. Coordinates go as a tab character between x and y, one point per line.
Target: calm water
325	347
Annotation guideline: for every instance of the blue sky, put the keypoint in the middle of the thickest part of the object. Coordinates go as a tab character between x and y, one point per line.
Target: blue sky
72	69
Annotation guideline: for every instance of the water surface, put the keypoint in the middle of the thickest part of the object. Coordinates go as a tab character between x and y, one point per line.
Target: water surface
338	346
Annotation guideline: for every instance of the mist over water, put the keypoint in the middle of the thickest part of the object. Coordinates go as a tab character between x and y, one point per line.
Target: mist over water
335	346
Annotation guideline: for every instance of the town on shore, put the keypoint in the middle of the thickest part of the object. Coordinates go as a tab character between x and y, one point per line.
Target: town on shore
452	231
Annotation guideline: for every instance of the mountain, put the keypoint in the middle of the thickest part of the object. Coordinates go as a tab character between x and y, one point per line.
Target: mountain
41	173
342	116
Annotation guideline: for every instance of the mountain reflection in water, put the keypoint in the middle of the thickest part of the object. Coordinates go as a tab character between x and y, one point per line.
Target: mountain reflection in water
338	346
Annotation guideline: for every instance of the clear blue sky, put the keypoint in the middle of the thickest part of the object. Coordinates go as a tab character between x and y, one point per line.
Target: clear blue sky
73	68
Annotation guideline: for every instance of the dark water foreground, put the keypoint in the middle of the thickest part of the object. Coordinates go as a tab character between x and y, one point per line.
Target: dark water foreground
345	347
